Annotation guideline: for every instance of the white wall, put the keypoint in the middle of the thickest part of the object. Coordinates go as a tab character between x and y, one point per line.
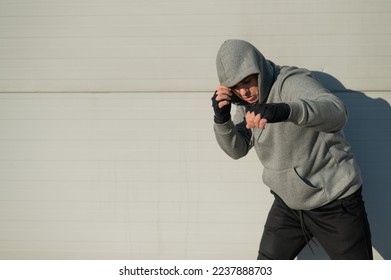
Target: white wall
153	45
106	144
121	176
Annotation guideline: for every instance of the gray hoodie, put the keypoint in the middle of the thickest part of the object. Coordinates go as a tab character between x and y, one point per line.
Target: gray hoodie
306	159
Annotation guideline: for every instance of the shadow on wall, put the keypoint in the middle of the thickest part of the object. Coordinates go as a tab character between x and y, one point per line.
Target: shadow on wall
369	133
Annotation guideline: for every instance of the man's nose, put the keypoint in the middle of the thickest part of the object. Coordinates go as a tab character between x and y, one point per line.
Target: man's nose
243	91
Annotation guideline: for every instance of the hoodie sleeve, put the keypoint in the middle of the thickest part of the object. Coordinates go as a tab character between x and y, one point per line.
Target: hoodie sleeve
312	105
233	137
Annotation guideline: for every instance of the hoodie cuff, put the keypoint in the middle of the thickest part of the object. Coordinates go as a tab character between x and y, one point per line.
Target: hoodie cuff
295	112
224	128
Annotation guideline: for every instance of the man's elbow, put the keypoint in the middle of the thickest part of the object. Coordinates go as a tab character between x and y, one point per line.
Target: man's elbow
236	154
339	121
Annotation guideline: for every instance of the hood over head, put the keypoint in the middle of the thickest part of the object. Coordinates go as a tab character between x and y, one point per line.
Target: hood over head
237	59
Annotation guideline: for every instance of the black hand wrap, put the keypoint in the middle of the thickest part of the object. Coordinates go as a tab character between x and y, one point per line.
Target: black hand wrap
222	115
273	112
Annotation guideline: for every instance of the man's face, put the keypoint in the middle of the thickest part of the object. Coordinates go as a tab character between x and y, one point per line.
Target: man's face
247	89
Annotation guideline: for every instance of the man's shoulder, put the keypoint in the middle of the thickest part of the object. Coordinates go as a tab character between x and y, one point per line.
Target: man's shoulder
287	71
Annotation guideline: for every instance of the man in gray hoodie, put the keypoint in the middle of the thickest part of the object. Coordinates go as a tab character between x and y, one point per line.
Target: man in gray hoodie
295	126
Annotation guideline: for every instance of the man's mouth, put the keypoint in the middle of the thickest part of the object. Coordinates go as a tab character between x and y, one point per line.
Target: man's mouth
250	99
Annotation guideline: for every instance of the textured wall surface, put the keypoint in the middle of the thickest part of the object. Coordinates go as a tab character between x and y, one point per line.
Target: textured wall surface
106	142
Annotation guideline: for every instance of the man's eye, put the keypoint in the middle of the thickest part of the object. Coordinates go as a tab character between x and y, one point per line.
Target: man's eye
246	82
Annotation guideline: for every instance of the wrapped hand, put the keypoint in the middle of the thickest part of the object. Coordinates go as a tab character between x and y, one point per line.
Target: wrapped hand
272	112
221	103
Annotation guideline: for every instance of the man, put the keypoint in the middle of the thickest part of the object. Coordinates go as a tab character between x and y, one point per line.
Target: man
295	127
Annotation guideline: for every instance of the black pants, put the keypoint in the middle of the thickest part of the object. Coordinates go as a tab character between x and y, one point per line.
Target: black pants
341	227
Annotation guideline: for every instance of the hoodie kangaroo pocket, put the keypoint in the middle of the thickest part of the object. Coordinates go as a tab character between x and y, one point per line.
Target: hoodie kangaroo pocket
294	191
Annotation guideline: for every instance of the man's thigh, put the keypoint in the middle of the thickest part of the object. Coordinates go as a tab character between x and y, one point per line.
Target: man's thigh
283	236
342	228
